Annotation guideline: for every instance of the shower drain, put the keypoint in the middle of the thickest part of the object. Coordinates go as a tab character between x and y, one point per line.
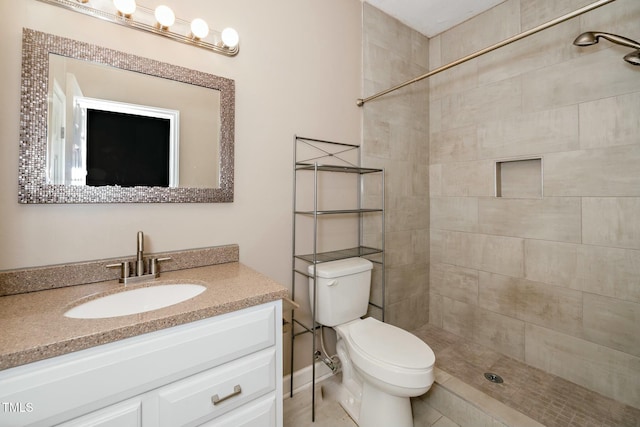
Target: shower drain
494	378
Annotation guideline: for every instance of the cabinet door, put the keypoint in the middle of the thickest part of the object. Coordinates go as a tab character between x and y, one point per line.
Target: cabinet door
123	414
261	413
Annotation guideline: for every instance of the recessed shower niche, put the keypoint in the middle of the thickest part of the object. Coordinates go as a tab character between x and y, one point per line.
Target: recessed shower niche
519	179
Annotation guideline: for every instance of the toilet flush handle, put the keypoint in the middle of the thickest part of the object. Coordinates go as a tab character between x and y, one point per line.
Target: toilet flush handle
332	283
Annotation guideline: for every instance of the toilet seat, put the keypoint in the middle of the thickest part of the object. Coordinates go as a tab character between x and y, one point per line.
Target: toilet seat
388	353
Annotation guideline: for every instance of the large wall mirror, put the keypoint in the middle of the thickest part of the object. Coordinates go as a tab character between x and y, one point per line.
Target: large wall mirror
103	126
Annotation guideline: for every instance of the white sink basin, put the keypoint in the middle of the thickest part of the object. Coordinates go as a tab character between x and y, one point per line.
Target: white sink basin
134	301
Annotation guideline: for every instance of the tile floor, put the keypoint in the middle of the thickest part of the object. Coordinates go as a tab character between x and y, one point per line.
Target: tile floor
545	398
329	413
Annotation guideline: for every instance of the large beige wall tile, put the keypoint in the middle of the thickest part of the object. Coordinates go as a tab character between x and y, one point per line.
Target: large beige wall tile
381	74
611	121
454	145
619	17
435	117
457	79
497	254
399	248
611	171
612	322
410	313
405	178
454	213
611	221
560	85
474	178
457	283
549	218
503	334
485	103
532	53
376	292
610	372
376	134
435	180
530	133
533	302
498	293
551	262
607	271
459	317
435	53
600	270
481	31
406	282
537	12
435	309
407	213
378	25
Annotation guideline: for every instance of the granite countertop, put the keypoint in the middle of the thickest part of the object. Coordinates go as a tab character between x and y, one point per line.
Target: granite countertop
33	326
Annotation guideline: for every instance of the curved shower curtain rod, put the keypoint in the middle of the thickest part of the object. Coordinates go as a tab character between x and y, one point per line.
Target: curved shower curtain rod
360	102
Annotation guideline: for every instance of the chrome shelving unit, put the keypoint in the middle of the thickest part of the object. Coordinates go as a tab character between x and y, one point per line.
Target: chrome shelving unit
316	157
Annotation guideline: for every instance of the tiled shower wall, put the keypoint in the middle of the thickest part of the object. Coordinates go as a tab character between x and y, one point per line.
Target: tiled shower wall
553	280
395	137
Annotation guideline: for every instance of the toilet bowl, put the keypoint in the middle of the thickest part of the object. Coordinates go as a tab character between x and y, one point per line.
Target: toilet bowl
382	367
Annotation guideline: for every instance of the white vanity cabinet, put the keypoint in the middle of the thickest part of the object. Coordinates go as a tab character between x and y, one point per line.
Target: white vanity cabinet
221	371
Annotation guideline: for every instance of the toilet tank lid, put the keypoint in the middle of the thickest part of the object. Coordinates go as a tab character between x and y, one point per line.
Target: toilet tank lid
341	267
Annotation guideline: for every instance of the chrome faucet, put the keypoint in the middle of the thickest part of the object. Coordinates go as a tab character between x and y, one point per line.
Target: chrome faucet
140	273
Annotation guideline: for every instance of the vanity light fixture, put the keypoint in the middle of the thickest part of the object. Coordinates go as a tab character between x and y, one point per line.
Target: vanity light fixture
230	38
199	29
161	20
165	17
125	7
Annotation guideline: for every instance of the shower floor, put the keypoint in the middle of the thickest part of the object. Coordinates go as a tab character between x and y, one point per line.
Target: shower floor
545	398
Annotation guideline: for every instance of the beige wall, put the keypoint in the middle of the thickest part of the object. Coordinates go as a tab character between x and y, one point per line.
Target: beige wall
395	137
553	281
298	71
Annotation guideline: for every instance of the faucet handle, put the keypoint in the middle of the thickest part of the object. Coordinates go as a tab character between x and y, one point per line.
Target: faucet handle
153	264
124	269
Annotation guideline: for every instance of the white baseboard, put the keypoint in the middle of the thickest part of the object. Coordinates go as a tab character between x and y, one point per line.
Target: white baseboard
302	378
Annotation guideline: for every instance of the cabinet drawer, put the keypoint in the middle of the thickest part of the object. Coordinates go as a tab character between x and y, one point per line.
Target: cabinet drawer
261	413
191	401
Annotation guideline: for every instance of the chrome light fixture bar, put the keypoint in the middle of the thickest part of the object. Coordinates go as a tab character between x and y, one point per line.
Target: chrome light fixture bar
161	21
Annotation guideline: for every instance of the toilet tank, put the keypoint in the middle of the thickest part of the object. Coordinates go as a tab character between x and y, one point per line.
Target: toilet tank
343	290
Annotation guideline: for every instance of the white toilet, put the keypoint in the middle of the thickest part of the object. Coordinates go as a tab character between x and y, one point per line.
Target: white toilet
382	365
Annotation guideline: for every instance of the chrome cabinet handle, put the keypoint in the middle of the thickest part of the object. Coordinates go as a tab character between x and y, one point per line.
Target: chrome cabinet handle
215	399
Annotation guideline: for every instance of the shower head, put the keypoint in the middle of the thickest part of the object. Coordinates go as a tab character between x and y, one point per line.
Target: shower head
633	58
592	37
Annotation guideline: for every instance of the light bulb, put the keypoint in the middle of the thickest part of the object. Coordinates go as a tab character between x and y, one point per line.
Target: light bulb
199	28
125	7
165	16
230	37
